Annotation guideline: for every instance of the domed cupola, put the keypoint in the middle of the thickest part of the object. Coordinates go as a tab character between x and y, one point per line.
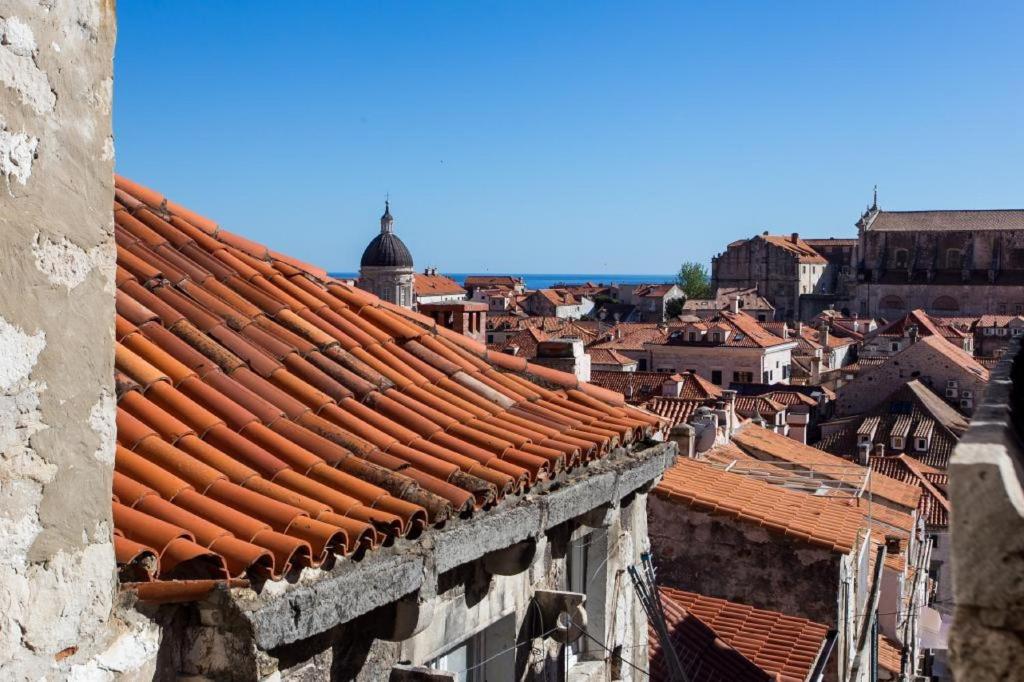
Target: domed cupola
386	266
386	250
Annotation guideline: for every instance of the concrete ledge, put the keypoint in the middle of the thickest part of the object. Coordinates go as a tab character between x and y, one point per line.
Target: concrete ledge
489	532
320	600
326	598
578	498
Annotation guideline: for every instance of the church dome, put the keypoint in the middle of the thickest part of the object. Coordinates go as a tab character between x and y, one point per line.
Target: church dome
386	250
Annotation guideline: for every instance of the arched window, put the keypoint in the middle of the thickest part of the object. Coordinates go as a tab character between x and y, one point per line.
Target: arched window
945	304
953	257
902	256
892	304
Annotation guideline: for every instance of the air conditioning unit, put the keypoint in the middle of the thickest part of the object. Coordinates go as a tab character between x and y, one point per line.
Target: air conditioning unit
951	393
966	394
966	404
952	383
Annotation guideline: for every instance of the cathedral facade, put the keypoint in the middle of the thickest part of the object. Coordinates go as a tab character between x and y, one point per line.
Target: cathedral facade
947	263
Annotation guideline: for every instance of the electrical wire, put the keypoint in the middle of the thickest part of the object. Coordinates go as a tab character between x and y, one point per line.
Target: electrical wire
601	644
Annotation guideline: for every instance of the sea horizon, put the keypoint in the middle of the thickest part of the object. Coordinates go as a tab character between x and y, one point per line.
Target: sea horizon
548	280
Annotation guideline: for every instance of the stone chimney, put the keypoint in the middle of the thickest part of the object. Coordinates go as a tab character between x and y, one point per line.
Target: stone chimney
795	237
567	355
864	454
734	304
880	449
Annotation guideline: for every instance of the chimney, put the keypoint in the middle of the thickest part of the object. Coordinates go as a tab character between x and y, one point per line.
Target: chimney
795	237
864	454
880	449
734	303
912	332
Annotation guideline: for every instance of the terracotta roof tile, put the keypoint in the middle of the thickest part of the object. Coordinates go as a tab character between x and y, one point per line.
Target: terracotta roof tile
733	641
768	445
269	417
831	523
436	285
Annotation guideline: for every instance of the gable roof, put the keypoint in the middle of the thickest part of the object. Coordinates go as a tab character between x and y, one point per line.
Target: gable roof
675	410
270	417
911	407
723	640
637	387
800	248
947	221
609	356
436	285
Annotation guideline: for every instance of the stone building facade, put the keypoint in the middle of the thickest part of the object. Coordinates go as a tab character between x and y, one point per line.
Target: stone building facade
386	268
947	263
781	268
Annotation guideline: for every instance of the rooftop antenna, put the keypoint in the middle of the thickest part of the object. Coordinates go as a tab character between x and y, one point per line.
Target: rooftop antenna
874	203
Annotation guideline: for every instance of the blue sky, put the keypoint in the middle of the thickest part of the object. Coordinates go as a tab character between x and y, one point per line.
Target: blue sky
591	137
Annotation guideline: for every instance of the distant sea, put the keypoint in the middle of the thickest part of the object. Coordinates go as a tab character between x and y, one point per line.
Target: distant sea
546	281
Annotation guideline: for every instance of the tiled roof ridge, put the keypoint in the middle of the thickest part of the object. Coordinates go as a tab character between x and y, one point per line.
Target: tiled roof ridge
269	416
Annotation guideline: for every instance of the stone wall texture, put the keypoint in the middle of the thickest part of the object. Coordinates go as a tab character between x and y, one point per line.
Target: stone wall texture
57	580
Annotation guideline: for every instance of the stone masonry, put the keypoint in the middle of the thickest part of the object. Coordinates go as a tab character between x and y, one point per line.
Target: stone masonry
57	581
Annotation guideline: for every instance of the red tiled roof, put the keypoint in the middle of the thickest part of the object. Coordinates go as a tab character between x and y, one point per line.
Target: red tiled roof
934	504
831	523
766	444
890	655
609	356
675	410
556	296
633	336
804	252
436	285
269	417
736	642
751	405
637	387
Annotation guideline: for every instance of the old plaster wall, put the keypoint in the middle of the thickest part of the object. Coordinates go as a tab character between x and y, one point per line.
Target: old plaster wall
57	581
717	557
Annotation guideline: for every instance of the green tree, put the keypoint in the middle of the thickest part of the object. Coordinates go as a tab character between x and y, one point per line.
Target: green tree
694	281
674	308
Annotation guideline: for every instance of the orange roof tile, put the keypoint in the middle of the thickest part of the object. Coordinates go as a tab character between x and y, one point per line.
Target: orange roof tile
436	285
804	251
734	641
831	523
270	417
766	444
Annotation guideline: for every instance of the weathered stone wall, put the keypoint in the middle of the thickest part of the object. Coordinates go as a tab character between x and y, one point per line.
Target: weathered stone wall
919	361
987	524
57	581
755	262
713	556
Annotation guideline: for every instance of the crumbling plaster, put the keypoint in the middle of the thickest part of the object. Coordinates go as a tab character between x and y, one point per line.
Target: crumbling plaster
57	581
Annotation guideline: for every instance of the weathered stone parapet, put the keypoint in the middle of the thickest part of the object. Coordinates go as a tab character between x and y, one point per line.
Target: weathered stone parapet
988	533
57	254
294	614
